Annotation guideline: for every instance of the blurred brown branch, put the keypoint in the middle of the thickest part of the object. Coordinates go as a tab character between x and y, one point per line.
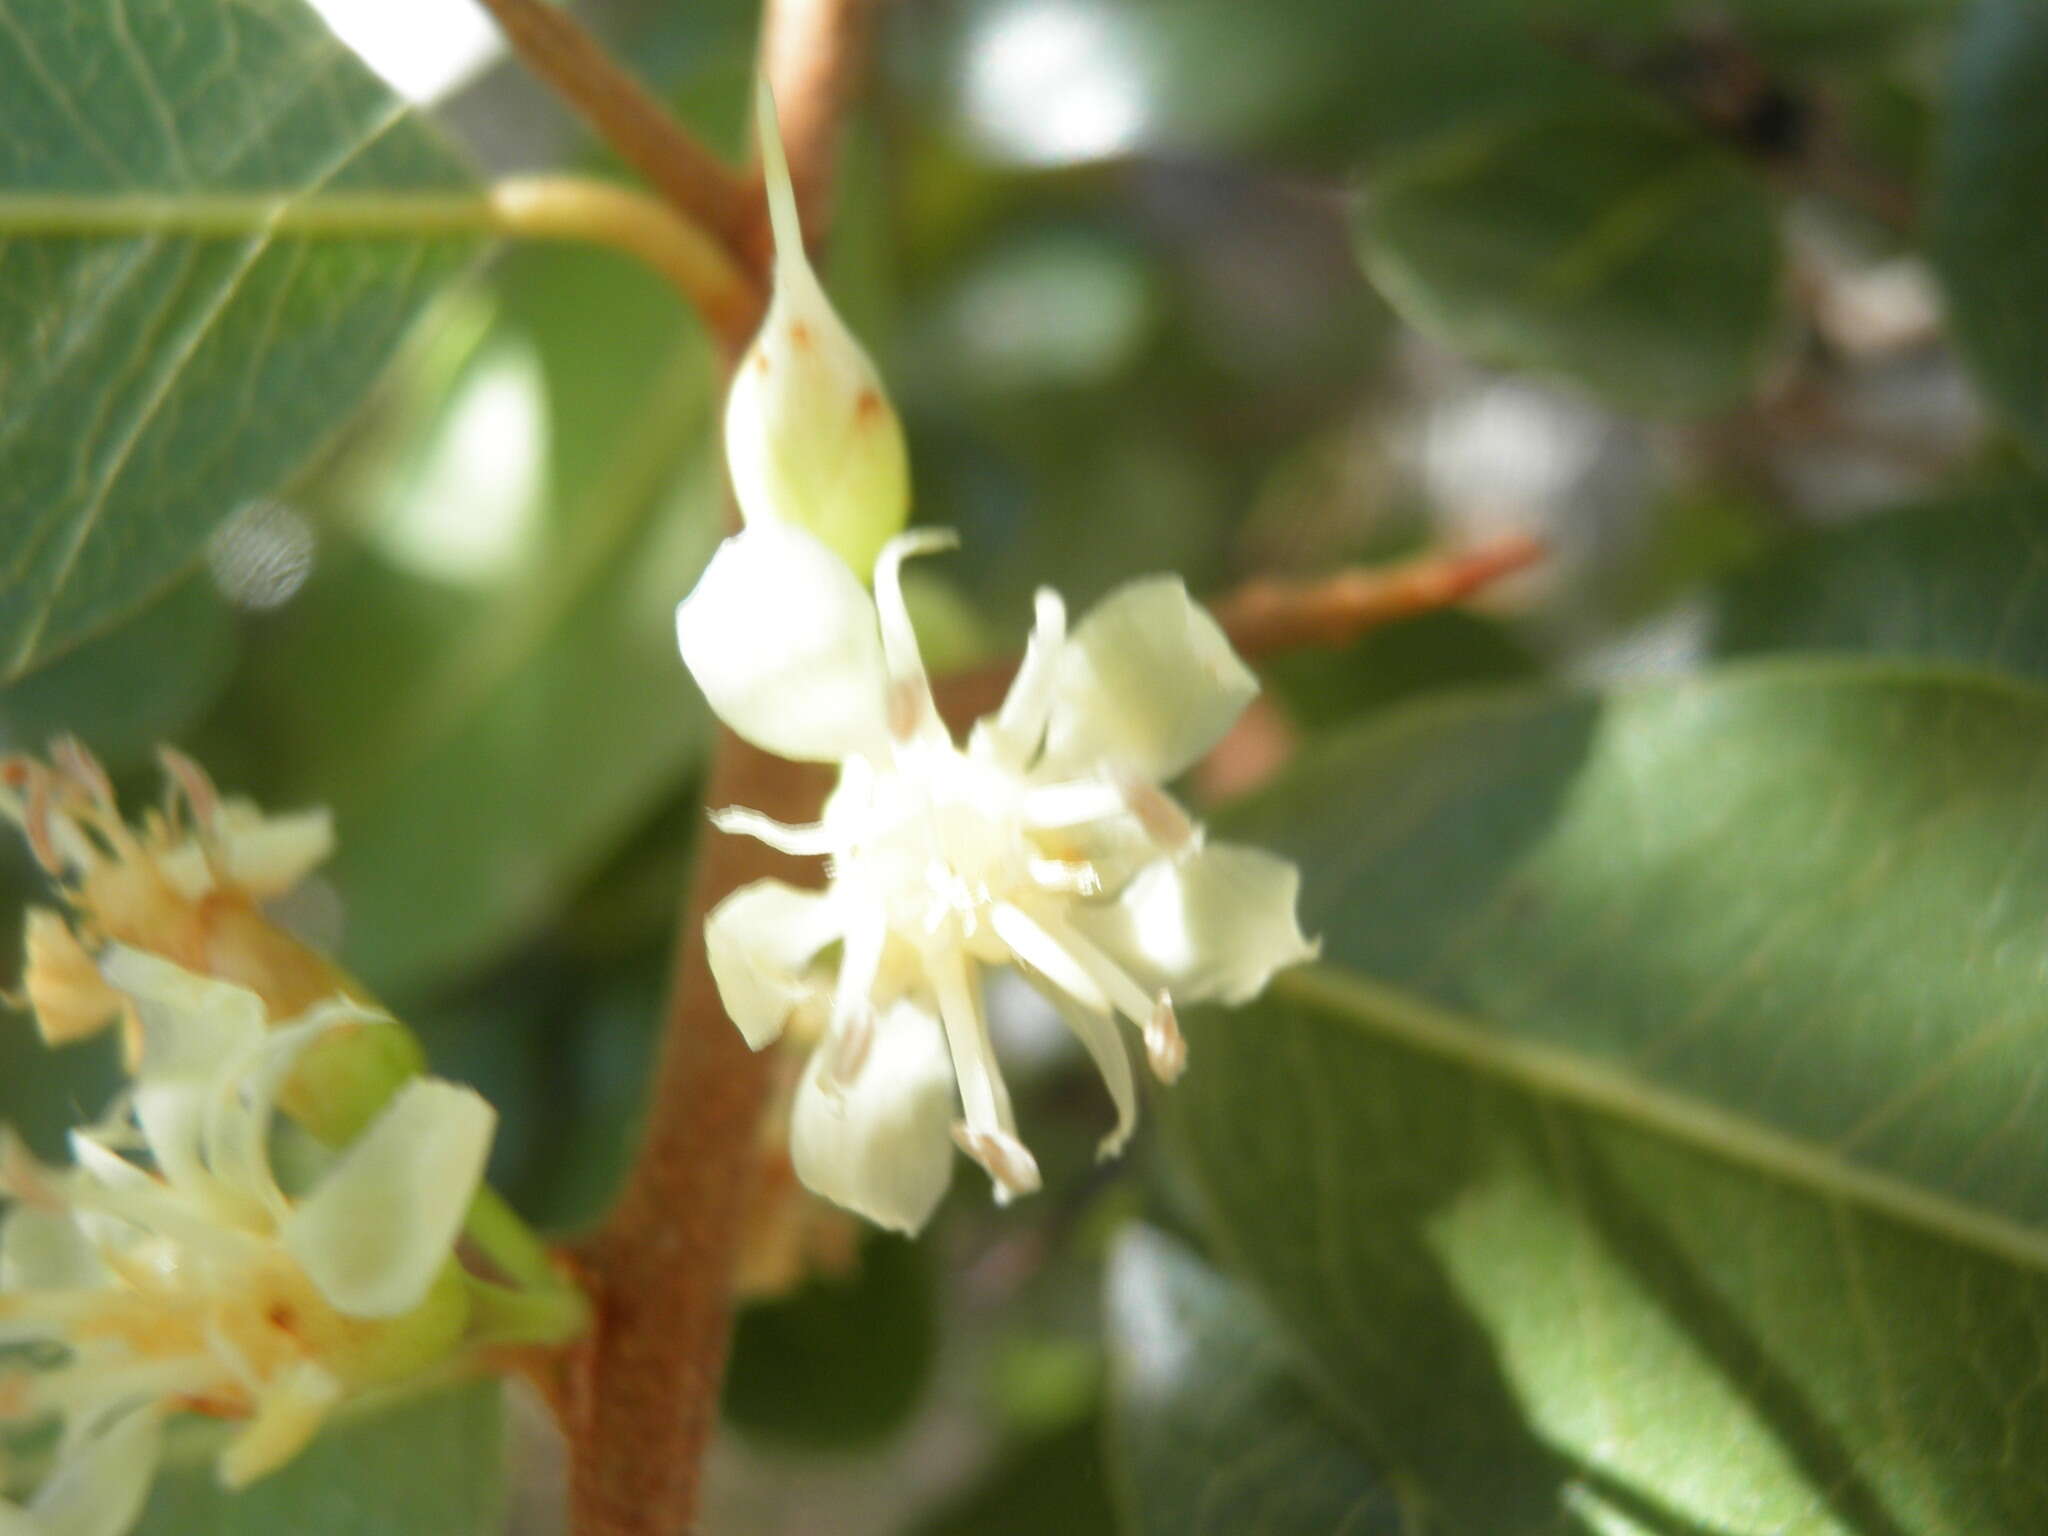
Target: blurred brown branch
639	1398
693	181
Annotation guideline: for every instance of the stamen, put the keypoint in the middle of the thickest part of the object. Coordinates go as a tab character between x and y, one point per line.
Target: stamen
1018	727
1008	1161
807	840
1165	823
1065	875
78	765
197	788
911	709
1165	1046
1072	804
850	1045
1043	952
982	1093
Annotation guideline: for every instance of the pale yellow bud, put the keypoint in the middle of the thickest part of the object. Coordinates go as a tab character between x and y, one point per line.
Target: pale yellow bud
810	436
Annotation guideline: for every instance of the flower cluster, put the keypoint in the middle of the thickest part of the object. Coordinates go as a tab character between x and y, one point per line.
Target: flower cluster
187	883
1045	844
171	1268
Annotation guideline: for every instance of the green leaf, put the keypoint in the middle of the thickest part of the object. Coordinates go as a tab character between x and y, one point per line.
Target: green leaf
1988	245
1049	1483
432	1467
1963	579
518	706
1589	235
173	340
1657	1147
123	692
843	1361
1213	1430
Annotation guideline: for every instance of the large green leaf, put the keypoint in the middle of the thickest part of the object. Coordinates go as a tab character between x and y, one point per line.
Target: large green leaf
485	743
1963	578
1214	1431
1588	234
433	1467
1988	245
173	340
1658	1145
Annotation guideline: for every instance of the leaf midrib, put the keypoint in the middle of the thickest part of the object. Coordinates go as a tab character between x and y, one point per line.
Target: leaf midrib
1571	1078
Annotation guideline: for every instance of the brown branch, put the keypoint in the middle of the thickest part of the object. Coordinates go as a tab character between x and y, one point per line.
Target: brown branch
1267	615
645	1399
640	1400
626	116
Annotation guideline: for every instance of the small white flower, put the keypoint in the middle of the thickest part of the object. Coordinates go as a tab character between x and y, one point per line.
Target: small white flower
172	1272
1046	843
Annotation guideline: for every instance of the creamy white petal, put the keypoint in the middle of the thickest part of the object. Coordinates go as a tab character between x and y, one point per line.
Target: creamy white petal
380	1226
1217	924
98	1488
1146	684
269	855
759	941
880	1144
289	1412
45	1250
191	1024
782	638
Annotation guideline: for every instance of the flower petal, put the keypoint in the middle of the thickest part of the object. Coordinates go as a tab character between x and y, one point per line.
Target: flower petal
881	1144
1146	684
46	1251
289	1412
98	1486
759	940
380	1226
268	855
191	1025
782	638
1216	924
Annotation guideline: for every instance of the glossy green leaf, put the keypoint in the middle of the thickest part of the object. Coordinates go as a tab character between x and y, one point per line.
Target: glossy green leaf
1590	235
432	1467
517	706
1989	248
1964	579
1657	1147
843	1360
1214	1431
123	692
1054	1482
174	341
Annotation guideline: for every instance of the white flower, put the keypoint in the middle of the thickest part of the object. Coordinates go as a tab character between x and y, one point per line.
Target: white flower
186	882
171	1271
1046	843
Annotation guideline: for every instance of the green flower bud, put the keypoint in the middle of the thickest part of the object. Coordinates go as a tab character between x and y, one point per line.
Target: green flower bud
810	436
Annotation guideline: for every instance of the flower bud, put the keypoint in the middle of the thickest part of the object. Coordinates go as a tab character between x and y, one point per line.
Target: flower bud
810	437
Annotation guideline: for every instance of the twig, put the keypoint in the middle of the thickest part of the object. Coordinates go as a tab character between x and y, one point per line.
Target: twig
644	1398
1266	615
577	208
694	181
640	1401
